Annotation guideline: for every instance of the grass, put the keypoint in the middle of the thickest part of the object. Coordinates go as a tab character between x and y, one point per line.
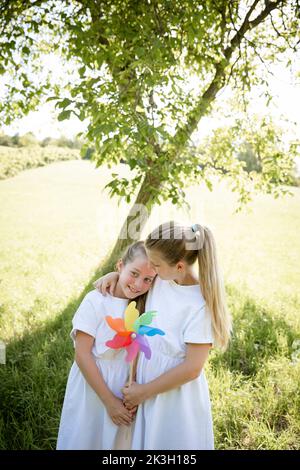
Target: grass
56	227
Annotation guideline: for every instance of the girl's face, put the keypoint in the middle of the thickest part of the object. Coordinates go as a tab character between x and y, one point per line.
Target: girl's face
162	268
135	277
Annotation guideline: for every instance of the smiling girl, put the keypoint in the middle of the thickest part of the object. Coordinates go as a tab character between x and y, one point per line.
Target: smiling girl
93	409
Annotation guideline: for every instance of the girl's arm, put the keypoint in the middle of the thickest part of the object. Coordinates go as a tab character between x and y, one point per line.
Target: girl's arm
107	283
189	369
86	363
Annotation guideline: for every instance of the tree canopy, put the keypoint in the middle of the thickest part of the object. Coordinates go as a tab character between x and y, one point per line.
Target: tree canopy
144	74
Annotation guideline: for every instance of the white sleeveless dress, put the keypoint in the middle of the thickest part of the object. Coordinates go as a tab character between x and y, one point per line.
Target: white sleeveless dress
85	423
181	418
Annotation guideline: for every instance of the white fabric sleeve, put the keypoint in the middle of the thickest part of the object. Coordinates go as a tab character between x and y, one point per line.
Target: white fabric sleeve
85	319
198	327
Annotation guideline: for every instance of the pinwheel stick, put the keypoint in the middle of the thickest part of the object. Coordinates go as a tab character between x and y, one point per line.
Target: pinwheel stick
132	370
130	374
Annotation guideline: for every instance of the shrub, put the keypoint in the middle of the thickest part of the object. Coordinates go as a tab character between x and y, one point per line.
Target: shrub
14	160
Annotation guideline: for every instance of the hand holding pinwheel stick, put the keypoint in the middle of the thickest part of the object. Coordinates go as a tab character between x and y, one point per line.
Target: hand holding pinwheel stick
131	333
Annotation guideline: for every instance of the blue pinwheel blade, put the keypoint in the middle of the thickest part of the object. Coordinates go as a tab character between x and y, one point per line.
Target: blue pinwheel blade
147	330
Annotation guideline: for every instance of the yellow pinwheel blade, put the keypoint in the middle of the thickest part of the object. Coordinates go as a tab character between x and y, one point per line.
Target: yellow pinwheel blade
131	314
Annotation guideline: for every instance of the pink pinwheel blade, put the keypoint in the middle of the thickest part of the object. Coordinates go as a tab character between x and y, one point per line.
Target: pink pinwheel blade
132	350
119	342
144	346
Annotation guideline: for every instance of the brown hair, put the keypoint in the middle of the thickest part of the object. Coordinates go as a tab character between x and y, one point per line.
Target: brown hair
132	252
175	243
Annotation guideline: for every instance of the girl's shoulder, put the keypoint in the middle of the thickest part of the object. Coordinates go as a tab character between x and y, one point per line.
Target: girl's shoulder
99	300
190	294
95	298
96	305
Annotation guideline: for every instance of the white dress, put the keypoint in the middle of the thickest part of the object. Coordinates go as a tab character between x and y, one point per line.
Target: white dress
180	418
85	423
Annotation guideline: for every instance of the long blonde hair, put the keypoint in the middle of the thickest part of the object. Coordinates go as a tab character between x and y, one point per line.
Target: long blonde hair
175	243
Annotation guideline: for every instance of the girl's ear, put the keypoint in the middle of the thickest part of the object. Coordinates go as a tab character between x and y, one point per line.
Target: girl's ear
180	266
119	265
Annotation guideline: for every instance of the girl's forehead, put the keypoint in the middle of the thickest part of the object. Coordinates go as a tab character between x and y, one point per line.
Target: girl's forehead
141	264
154	255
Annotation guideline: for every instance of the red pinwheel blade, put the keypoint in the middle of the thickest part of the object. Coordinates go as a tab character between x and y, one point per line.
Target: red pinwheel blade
119	342
132	350
144	346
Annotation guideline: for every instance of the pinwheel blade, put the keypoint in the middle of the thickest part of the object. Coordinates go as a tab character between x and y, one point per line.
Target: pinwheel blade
119	342
147	330
116	324
144	345
144	319
132	350
131	315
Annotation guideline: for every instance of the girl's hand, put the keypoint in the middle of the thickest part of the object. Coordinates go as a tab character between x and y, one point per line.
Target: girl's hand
132	409
134	394
107	283
118	413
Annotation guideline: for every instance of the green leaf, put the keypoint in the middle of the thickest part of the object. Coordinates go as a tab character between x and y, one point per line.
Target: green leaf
64	103
64	115
51	98
25	50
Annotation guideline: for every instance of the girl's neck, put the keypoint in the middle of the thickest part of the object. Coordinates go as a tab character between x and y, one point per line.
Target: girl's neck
119	292
188	278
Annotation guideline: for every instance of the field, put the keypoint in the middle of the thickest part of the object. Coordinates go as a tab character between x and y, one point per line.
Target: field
56	228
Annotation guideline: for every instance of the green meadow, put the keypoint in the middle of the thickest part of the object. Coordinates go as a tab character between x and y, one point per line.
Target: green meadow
57	225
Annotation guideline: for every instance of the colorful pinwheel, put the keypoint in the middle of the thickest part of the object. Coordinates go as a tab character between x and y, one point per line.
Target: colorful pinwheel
131	332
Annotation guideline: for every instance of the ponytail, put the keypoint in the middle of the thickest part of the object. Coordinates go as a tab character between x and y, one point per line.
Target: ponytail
212	288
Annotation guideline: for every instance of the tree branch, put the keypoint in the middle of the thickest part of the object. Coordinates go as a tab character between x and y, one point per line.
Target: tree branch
262	16
280	34
218	81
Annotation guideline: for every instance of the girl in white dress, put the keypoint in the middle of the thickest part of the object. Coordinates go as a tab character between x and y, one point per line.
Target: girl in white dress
93	412
174	406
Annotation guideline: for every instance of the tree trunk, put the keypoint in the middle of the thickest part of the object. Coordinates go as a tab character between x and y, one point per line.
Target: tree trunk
137	217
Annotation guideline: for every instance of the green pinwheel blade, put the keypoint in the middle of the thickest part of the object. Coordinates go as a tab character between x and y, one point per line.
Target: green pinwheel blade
144	319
